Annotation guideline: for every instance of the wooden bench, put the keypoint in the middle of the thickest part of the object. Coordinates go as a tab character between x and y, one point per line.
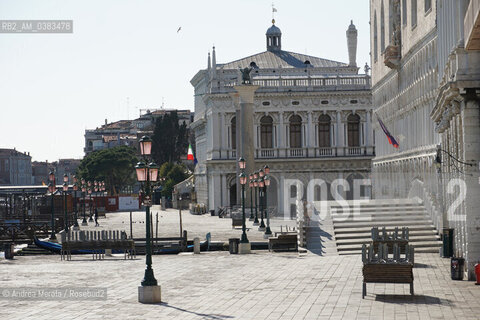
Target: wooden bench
96	242
378	267
284	241
387	273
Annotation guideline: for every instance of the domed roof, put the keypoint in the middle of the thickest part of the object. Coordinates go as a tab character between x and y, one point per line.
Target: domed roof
274	30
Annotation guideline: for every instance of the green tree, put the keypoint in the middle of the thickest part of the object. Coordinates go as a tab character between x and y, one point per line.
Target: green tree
171	175
170	140
115	166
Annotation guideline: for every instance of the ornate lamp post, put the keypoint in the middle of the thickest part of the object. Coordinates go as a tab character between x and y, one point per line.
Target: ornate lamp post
261	185
250	185
255	186
51	188
103	196
90	202
65	189
266	181
75	211
149	291
84	192
243	181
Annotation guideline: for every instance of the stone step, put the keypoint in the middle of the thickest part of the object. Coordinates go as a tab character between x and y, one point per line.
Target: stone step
417	250
382	202
379	214
412	233
412	240
420	244
365	229
376	210
393	223
359	219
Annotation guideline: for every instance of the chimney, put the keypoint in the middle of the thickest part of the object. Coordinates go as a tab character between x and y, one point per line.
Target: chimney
352	45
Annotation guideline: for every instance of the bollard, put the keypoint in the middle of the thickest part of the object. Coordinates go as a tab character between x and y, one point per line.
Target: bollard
196	245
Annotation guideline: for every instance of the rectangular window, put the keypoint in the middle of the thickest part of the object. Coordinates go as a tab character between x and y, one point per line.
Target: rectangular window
404	12
414	13
428	5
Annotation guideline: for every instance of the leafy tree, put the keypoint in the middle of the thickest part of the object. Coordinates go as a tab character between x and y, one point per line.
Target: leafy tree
170	140
115	166
172	174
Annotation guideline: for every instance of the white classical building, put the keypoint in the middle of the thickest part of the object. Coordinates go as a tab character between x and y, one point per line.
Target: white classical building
425	82
312	119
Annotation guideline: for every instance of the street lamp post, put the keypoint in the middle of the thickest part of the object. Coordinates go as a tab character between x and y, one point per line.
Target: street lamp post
266	181
149	291
51	188
261	185
65	189
75	211
84	192
255	186
90	219
243	181
250	185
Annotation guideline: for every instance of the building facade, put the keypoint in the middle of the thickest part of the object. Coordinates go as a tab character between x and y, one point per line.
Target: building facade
15	168
311	120
421	73
127	132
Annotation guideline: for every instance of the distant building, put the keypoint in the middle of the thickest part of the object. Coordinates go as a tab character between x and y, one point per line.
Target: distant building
40	172
312	119
127	132
65	166
15	168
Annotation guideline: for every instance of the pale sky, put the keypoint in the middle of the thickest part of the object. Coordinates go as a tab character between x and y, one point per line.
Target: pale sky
54	86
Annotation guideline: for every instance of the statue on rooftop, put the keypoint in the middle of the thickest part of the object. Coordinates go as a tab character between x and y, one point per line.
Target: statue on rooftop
246	75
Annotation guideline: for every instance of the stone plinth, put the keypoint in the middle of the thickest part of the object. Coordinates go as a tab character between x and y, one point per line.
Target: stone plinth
244	248
149	294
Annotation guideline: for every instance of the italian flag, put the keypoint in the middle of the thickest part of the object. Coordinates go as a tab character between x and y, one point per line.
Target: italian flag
190	153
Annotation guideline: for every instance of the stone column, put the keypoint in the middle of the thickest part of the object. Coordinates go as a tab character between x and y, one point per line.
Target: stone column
246	148
310	136
225	190
236	102
216	130
368	134
223	136
281	135
471	151
340	131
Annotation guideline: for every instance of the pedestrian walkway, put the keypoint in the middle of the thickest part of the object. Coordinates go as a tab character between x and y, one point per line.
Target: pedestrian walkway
258	286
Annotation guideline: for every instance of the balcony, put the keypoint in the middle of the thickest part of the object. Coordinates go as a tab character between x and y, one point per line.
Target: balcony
300	153
279	83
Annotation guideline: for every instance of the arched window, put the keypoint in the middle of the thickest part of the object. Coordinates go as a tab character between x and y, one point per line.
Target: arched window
295	131
382	29
233	130
324	131
375	37
353	128
266	128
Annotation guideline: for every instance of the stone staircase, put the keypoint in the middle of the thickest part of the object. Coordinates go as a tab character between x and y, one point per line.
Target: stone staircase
32	250
351	230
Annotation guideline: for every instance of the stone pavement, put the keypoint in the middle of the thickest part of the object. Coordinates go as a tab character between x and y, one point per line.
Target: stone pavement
217	285
196	225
